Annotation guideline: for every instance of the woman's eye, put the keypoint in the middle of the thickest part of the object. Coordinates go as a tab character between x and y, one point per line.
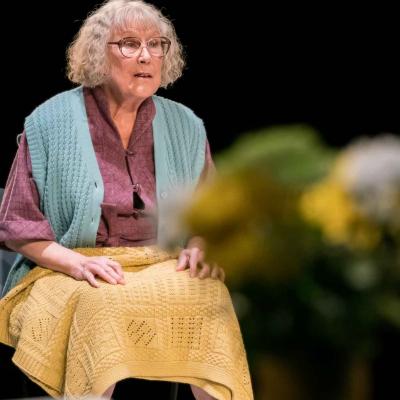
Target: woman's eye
132	44
153	43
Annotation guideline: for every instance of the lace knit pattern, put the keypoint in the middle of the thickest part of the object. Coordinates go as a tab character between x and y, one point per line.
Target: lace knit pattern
75	340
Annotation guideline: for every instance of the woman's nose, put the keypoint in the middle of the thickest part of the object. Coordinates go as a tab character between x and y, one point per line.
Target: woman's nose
144	55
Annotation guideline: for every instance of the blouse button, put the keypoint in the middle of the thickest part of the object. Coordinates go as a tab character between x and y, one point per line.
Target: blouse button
164	195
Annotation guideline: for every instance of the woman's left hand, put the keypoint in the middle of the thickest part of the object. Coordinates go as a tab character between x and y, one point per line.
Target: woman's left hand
193	258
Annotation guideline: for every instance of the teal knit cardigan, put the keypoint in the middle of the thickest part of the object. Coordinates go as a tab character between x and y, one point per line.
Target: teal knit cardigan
67	174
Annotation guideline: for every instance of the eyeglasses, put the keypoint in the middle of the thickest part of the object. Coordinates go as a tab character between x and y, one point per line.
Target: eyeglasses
131	46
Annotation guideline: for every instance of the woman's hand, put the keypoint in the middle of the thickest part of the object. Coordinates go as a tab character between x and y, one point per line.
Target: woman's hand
193	257
52	255
106	269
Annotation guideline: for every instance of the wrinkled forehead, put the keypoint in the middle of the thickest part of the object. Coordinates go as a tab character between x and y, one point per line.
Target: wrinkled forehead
137	22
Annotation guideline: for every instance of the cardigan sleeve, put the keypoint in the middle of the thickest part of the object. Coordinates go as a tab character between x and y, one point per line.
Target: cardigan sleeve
20	215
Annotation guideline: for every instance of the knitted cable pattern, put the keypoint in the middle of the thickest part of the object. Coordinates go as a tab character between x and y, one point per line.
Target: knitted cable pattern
75	340
65	169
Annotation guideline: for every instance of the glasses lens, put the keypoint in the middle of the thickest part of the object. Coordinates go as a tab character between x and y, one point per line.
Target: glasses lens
130	46
156	47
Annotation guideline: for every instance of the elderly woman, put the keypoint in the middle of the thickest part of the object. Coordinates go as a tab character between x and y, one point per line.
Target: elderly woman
93	298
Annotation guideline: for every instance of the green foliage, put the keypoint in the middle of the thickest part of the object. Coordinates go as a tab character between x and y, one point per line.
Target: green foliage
293	154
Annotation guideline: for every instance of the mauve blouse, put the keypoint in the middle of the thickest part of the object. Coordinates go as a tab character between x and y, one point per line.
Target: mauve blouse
123	171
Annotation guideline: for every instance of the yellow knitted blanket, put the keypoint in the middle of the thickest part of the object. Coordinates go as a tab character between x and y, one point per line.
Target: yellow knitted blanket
75	340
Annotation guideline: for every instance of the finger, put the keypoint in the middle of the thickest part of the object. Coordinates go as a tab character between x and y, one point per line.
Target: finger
116	266
111	261
205	271
112	273
222	275
117	271
182	260
215	272
99	270
201	255
193	260
90	278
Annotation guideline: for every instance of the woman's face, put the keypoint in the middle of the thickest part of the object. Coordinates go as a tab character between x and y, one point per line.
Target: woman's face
139	76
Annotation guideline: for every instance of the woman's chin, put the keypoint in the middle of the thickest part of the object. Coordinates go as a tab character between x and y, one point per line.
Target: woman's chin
143	90
143	94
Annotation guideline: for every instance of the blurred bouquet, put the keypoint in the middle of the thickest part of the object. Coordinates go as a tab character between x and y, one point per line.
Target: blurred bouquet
310	240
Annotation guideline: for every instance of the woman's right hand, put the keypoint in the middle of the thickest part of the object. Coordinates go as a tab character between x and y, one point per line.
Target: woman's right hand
58	258
90	267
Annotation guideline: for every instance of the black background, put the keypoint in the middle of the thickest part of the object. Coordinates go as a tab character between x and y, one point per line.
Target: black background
250	65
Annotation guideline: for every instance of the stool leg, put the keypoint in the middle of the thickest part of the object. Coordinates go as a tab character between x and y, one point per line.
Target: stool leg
24	385
174	391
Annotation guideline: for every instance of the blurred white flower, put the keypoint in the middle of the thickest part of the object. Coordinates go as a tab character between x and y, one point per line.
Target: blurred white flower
371	174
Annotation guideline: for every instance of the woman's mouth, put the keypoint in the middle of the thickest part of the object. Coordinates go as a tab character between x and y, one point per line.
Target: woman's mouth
144	75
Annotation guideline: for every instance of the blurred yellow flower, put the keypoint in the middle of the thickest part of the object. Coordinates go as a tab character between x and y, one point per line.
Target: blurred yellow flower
329	206
246	218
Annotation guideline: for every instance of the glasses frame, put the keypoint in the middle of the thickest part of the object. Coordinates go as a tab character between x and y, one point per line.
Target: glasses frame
121	42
